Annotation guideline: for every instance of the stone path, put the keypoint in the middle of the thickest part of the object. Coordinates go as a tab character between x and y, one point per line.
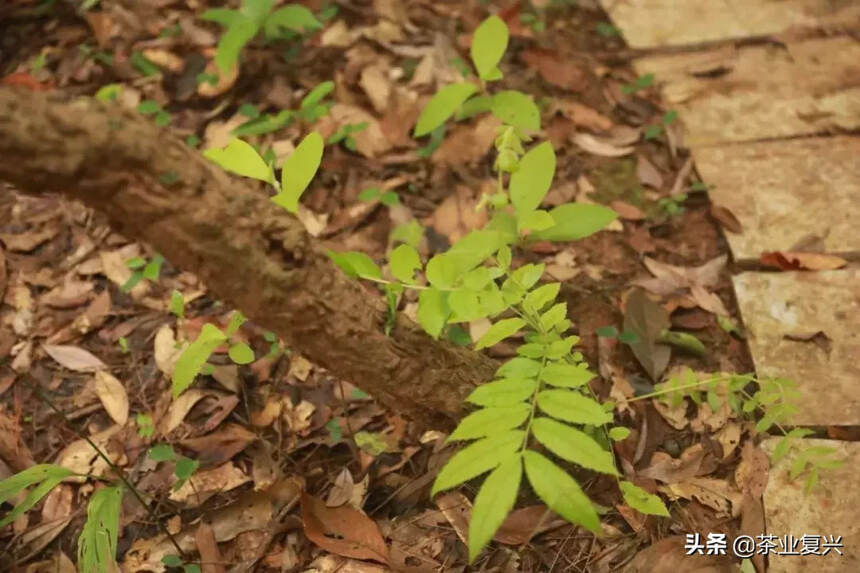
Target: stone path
773	131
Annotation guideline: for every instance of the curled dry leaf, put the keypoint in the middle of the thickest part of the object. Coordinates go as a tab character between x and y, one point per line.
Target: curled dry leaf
667	469
726	218
179	408
74	358
670	278
342	530
205	483
802	261
113	396
647	173
729	437
3	275
81	458
207	546
165	350
583	116
218	447
715	493
647	319
601	147
751	473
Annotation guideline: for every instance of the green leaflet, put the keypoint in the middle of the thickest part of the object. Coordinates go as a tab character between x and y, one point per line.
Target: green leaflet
516	109
566	375
532	180
519	368
575	221
44	476
241	353
433	311
222	16
528	275
536	300
442	106
403	262
242	159
494	501
97	544
503	392
293	17
618	433
441	271
488	46
316	95
298	171
490	421
474	106
573	445
477	458
195	356
535	221
356	264
240	31
559	491
552	317
499	331
572	406
162	453
465	306
642	501
473	249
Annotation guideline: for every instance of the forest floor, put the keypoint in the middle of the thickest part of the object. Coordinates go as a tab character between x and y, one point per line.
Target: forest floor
265	431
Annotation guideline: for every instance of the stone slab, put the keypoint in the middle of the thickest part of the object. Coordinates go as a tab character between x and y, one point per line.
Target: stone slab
762	92
787	192
800	304
829	509
660	23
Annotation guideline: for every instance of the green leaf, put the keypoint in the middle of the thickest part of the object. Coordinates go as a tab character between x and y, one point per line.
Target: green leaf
403	261
237	319
433	311
575	221
172	560
556	314
356	264
264	124
488	46
148	107
494	501
241	31
97	543
293	17
369	194
316	95
559	491
195	356
528	275
618	433
642	501
241	353
185	467
162	453
531	181
573	445
477	458
17	483
499	331
504	392
535	221
177	304
536	300
442	106
474	106
108	92
566	375
519	368
473	249
242	159
222	16
516	109
489	421
573	407
465	306
298	171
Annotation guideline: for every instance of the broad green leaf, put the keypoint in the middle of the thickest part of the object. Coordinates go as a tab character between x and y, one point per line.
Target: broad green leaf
293	17
490	421
241	31
477	458
442	106
506	225
553	316
566	375
527	276
473	249
575	221
519	368
257	10
488	46
499	331
242	159
17	483
559	491
98	540
642	501
32	498
403	261
162	453
298	171
494	501
573	445
176	304
535	221
516	109
433	311
195	356
536	300
504	392
531	182
618	433
465	306
478	278
573	407
442	271
474	106
185	467
356	264
241	353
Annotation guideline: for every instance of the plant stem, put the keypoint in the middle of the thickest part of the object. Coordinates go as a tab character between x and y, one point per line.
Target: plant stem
677	388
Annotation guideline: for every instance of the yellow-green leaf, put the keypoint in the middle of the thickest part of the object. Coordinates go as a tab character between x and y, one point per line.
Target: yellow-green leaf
477	458
403	261
494	501
572	406
531	181
499	331
573	445
195	356
242	159
642	501
442	106
504	392
489	421
566	375
559	491
298	171
488	46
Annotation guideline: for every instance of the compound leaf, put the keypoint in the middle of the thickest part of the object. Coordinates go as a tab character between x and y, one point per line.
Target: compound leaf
559	491
573	445
489	421
477	458
573	407
499	331
494	501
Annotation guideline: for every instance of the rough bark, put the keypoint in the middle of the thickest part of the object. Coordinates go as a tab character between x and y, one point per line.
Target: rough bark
249	252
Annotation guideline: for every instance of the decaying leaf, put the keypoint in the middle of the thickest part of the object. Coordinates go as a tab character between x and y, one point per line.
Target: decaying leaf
751	473
715	493
342	530
218	447
203	484
669	556
597	146
667	469
74	358
647	319
113	396
787	261
555	69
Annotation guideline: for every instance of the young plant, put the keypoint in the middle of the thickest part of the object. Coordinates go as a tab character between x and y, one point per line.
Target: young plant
312	107
243	25
467	99
143	269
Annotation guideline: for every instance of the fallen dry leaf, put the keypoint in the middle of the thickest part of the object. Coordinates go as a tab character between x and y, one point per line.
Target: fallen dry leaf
726	218
26	242
179	408
729	437
670	278
582	115
627	211
342	530
207	546
3	275
554	69
113	396
206	483
669	556
715	493
165	350
80	457
374	81
802	261
521	525
647	173
218	447
468	144
74	358
456	215
370	141
596	146
751	473
457	509
667	469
